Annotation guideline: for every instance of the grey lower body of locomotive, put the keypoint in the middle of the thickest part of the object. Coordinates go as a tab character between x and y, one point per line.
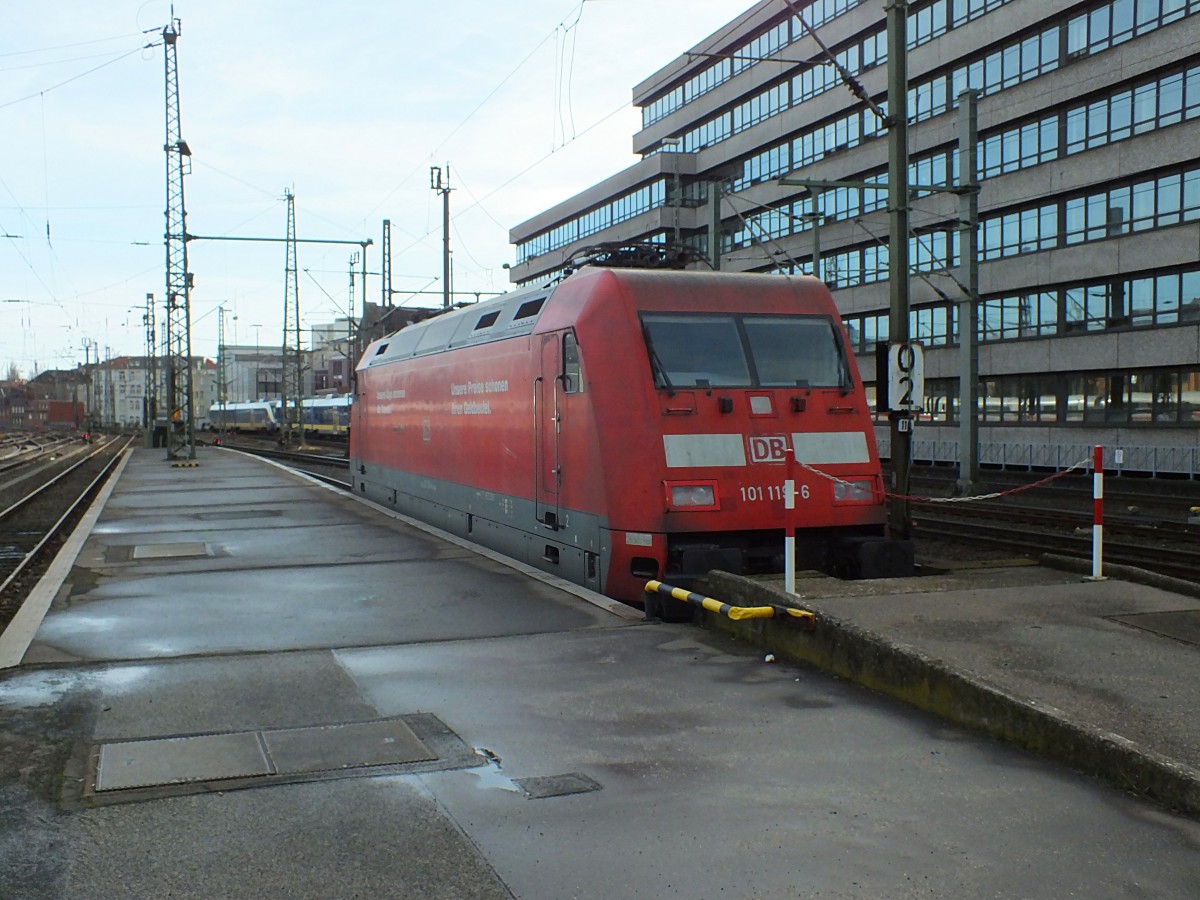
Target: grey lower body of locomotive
578	547
575	550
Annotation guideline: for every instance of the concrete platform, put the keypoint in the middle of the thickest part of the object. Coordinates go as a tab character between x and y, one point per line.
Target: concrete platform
1039	656
246	684
197	561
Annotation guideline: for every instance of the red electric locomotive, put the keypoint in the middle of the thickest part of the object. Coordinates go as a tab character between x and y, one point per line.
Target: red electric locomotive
624	425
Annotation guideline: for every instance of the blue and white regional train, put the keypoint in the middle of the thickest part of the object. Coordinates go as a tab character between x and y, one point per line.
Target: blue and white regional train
255	417
318	415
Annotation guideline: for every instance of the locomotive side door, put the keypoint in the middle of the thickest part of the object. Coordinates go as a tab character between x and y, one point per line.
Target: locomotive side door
547	427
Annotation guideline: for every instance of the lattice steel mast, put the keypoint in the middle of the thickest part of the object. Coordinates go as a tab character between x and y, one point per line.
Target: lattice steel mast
222	376
181	431
353	330
150	402
386	285
291	425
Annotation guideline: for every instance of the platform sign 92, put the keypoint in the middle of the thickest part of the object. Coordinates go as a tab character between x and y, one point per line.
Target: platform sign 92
906	377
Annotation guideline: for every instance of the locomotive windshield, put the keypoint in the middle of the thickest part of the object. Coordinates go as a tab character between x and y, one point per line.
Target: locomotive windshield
744	351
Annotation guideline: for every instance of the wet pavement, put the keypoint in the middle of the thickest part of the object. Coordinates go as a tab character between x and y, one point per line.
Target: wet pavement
1098	673
288	693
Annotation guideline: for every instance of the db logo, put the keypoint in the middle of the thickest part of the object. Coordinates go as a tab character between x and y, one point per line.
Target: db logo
772	448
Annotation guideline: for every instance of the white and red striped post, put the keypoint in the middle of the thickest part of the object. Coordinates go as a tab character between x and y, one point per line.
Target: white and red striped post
789	539
1097	513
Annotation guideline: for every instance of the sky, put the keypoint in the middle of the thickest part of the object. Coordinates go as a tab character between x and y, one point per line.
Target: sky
346	105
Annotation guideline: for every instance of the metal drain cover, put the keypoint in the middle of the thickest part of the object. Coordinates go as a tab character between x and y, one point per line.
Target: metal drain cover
1182	625
170	551
160	762
329	747
556	785
201	757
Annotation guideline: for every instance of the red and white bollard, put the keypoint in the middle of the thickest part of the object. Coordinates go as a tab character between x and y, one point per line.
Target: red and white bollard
789	539
1097	514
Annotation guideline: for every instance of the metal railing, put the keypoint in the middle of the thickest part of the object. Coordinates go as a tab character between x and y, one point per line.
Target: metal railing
804	618
1118	458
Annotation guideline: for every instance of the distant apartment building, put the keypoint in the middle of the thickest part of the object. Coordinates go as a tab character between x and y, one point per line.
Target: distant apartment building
128	391
50	400
1089	234
333	357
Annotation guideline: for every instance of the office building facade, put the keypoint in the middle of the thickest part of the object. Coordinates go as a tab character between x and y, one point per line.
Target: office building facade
1089	203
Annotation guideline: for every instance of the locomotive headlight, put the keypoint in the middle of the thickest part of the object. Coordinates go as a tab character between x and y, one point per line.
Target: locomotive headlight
692	496
853	491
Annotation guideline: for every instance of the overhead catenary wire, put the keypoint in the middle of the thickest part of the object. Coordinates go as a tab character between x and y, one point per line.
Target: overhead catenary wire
71	46
521	174
60	62
576	134
848	78
779	250
564	72
436	149
461	245
84	74
574	28
273	194
924	276
476	202
51	272
772	255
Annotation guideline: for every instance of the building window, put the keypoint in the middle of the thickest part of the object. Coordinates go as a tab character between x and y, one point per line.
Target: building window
1169	396
623	208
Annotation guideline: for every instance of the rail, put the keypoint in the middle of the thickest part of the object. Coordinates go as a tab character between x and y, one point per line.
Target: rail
335	462
29	450
29	556
737	613
46	485
308	463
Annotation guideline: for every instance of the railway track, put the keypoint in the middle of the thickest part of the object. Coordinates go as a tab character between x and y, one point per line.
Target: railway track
334	470
37	515
1163	497
1145	520
1165	548
22	455
1135	527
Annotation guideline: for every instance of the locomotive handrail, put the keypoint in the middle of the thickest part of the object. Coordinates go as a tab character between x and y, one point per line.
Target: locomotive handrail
736	613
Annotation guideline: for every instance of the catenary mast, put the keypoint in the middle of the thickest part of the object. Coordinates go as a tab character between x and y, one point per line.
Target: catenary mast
178	362
290	423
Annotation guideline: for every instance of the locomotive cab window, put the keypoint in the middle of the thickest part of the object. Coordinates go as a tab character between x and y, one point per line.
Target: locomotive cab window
795	351
695	351
572	367
744	351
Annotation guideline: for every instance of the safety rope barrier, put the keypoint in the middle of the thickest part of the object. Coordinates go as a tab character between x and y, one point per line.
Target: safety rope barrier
1083	464
995	494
